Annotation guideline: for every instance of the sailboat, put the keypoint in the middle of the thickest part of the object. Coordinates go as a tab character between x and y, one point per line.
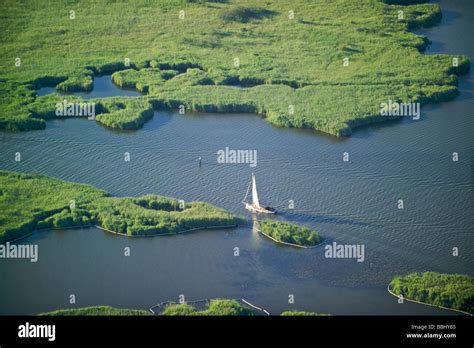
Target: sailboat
255	206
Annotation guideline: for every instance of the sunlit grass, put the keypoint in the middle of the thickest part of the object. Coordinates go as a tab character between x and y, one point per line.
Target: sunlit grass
30	202
305	52
454	291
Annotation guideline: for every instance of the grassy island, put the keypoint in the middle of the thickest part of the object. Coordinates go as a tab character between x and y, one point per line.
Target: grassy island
290	233
216	307
31	201
326	66
454	291
96	311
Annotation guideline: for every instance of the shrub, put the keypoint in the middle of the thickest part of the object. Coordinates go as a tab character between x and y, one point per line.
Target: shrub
96	310
217	307
179	309
447	290
290	233
245	14
222	307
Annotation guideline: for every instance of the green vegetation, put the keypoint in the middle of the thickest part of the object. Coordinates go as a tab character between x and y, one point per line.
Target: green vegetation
124	113
129	216
79	82
454	291
179	310
217	307
290	233
32	201
190	61
245	14
144	80
301	313
97	311
26	200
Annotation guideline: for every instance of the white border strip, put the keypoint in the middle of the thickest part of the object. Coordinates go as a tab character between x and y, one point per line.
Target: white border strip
167	234
251	305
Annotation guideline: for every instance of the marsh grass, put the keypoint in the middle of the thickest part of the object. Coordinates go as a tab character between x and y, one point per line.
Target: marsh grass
290	233
32	201
454	291
216	307
245	14
190	60
95	311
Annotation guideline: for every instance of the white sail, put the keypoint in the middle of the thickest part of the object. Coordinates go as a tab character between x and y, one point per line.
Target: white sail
254	193
255	207
247	193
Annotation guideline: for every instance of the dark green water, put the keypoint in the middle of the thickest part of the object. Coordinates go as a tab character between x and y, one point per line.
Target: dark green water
348	202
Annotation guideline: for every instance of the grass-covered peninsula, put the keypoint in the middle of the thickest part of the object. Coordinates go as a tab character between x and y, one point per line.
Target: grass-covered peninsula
96	311
454	291
32	201
285	232
215	307
310	64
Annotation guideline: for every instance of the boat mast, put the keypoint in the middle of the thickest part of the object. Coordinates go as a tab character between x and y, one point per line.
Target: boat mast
246	193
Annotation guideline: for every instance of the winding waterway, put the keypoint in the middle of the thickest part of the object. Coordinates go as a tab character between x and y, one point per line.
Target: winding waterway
351	202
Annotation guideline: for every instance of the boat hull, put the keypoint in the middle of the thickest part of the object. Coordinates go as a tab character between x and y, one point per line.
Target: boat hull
259	210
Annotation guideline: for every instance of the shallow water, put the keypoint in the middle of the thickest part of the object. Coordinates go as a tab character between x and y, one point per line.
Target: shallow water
347	202
103	87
